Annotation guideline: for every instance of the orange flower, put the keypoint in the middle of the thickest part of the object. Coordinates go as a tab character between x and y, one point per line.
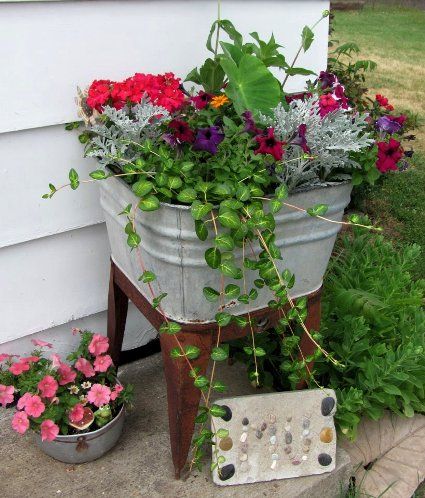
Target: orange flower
219	100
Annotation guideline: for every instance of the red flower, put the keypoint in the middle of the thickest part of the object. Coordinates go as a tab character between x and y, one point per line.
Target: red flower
339	94
327	104
182	131
269	145
98	94
201	100
389	107
382	101
389	153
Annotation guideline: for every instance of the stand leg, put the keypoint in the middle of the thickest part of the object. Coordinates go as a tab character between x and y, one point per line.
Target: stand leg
312	322
183	396
117	315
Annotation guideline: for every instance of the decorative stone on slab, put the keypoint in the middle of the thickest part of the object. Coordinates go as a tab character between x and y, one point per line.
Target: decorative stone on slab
283	454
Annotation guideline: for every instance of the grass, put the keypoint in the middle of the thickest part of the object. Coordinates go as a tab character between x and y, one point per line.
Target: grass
394	38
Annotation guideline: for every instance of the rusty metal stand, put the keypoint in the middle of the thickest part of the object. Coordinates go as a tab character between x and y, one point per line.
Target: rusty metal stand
183	396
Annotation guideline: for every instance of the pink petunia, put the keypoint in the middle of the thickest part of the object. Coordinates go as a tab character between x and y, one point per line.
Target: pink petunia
48	386
49	430
85	367
23	401
99	395
19	367
4	356
77	413
102	363
6	394
34	407
56	360
116	392
66	374
41	344
98	345
20	422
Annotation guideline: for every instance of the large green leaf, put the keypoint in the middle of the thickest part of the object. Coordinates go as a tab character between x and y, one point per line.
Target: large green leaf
251	85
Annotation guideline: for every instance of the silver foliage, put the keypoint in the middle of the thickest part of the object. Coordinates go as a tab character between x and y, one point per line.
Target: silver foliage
330	139
116	140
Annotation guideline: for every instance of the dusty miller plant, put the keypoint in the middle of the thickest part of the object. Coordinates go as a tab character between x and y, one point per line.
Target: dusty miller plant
330	138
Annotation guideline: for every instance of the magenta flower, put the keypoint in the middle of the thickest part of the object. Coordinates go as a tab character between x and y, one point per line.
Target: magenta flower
99	395
4	356
98	345
41	344
49	430
327	80
48	386
77	413
34	407
20	422
208	139
85	367
66	374
327	104
300	139
102	363
6	394
201	100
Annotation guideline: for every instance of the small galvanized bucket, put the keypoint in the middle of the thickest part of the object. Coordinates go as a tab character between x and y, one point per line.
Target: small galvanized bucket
85	447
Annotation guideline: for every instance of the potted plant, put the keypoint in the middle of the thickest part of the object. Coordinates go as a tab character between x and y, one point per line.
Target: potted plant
223	189
75	409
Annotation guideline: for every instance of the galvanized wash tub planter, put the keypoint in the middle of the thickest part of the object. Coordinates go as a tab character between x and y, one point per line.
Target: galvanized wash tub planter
82	448
171	249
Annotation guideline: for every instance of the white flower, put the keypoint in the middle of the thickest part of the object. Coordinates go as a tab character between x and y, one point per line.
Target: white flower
74	389
86	385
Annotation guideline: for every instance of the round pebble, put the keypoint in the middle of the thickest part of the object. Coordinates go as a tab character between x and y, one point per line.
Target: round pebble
244	447
287	428
307	441
243	457
243	437
263	426
306	432
289	418
273	440
245	428
273	465
228	415
258	434
226	444
306	449
327	405
275	456
288	438
245	421
296	462
272	418
306	423
326	435
226	472
287	449
324	459
272	430
304	458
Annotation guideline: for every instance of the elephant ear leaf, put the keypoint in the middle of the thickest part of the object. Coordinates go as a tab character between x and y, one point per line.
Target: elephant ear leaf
251	85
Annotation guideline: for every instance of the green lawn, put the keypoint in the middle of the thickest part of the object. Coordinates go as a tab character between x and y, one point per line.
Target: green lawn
395	39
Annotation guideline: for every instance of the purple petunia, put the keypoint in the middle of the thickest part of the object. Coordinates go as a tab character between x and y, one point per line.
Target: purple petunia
250	124
208	139
327	80
388	125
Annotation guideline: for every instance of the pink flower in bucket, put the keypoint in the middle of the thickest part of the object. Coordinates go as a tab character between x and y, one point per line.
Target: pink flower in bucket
49	430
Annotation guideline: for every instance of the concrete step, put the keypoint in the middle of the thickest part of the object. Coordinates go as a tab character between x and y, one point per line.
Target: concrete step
140	465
